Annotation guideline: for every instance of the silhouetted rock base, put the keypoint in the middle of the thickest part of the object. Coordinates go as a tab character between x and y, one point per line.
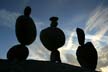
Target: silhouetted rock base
37	66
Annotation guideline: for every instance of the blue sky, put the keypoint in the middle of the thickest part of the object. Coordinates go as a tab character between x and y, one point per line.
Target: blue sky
91	15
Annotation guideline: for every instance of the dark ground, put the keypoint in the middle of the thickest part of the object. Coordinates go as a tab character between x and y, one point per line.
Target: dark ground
37	66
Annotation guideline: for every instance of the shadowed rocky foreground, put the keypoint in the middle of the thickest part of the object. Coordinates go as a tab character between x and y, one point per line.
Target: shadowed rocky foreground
38	66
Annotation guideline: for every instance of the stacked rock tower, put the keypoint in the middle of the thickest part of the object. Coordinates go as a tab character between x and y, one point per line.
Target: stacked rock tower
53	38
26	33
86	53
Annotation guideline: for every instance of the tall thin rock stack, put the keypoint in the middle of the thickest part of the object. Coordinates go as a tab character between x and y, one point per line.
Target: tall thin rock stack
26	33
53	38
86	53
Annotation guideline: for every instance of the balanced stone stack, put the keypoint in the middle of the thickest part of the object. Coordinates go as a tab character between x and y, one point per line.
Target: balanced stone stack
26	34
53	38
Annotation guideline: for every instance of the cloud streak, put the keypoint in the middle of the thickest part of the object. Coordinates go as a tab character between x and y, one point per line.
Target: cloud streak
8	18
38	52
99	21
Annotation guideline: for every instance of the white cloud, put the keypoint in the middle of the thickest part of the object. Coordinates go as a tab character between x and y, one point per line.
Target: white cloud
103	59
104	69
68	51
8	18
99	21
38	52
71	59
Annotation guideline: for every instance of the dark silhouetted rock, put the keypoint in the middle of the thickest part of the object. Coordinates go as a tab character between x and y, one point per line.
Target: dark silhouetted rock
17	53
38	66
55	56
52	37
27	11
54	21
81	36
25	28
86	53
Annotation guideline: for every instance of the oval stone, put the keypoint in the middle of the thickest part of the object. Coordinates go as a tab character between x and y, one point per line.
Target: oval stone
25	30
18	53
52	38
